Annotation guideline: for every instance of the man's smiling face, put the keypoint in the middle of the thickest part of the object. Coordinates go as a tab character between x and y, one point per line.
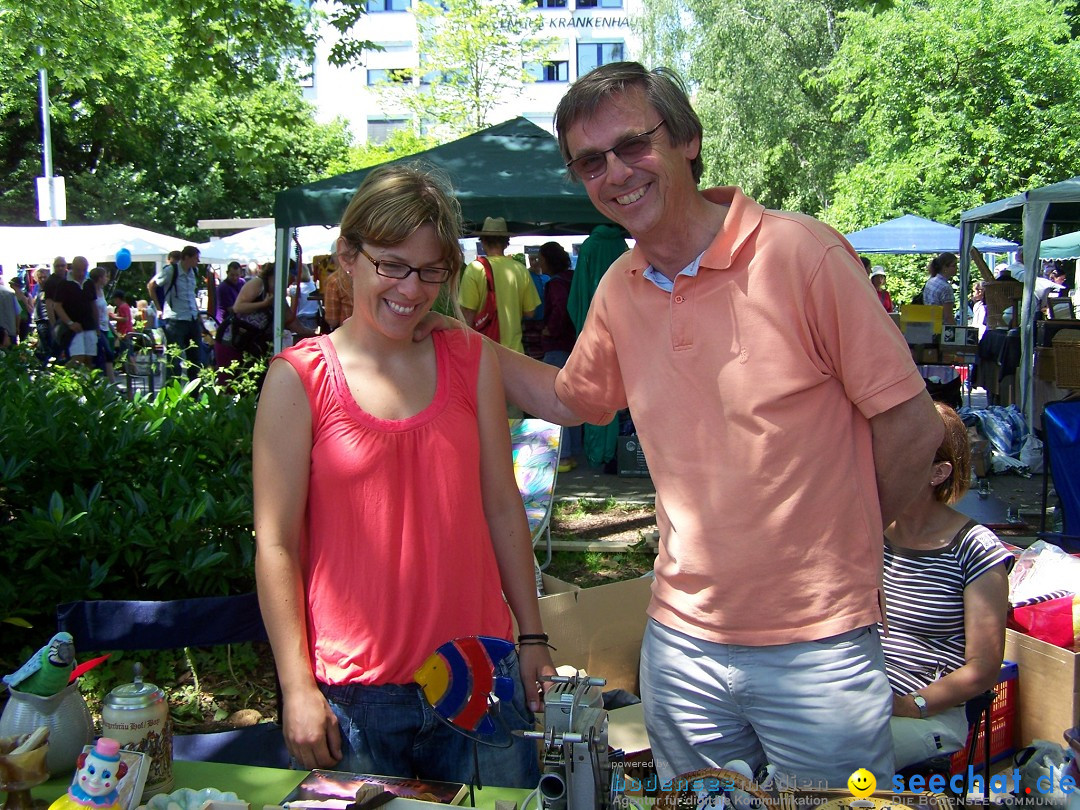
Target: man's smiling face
637	195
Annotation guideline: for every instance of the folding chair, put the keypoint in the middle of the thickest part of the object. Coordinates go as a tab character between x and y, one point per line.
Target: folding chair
1061	459
106	625
535	445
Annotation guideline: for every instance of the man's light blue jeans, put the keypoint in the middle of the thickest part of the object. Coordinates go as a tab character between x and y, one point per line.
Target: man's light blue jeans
817	710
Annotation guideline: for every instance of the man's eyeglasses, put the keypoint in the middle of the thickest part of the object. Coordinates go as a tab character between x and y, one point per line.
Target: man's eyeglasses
429	275
631	150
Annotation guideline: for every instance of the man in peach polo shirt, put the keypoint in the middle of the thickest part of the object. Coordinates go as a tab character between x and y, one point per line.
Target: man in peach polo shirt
784	424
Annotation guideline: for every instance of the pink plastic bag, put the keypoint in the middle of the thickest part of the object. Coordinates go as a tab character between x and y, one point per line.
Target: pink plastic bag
1056	621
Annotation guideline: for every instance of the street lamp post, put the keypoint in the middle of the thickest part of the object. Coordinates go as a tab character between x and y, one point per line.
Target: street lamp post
46	141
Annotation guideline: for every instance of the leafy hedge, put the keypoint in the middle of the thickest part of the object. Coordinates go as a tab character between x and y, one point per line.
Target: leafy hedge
101	497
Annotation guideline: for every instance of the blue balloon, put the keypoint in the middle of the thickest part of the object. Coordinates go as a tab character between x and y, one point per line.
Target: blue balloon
123	259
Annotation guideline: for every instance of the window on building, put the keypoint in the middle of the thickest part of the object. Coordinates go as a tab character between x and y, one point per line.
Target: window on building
379	129
377	75
374	6
551	3
550	71
599	3
594	54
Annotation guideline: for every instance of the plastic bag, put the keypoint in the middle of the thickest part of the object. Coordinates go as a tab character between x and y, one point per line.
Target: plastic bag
1031	453
1041	765
1043	569
1004	427
1055	621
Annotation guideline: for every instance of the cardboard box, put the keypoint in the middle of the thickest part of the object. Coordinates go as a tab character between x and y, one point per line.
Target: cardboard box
1049	688
626	731
981	457
598	629
630	457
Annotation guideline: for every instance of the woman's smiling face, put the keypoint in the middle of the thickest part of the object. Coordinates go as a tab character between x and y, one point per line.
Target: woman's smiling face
392	306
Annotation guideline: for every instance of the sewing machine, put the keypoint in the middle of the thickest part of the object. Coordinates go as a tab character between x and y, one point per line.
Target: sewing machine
577	768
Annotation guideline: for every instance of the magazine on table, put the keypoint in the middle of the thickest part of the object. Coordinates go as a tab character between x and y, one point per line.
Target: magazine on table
336	790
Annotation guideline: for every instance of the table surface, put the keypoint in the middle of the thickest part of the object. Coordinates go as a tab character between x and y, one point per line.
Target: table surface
990	511
257	786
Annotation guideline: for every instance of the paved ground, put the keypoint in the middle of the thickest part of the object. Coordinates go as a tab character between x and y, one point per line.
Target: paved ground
584	482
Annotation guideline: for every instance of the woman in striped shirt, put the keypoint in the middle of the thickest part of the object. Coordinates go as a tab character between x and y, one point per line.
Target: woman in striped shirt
946	589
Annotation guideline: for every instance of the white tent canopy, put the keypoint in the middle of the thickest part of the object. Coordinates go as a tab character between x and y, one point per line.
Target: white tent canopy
98	243
258	244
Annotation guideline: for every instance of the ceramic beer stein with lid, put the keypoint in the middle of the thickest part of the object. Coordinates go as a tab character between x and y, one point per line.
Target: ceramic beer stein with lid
137	716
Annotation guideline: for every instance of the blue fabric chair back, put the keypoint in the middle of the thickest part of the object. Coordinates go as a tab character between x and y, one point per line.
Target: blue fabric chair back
1061	426
105	624
108	625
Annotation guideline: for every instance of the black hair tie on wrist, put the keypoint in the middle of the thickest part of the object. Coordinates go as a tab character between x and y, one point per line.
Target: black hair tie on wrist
533	637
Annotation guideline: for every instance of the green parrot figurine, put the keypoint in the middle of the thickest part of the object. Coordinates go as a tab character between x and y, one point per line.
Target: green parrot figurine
48	670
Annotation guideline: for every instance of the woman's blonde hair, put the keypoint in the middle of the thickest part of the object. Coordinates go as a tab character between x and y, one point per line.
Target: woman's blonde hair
392	202
956	449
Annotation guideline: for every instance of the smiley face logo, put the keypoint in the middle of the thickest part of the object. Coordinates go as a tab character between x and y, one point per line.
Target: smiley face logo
861	783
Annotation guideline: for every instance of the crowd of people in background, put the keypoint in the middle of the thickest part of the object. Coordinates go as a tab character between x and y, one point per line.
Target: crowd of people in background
939	288
83	316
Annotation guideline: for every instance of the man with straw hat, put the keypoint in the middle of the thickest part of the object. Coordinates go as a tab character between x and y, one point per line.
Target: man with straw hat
515	293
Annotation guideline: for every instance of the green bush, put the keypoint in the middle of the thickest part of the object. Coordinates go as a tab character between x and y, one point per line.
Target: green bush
101	497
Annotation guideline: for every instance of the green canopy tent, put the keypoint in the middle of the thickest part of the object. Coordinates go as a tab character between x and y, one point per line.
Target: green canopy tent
512	170
1066	246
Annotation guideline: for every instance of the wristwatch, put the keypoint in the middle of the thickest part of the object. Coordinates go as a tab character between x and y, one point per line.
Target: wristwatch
920	702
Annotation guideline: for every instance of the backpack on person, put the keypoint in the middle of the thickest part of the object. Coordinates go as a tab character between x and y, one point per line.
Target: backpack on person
161	294
487	318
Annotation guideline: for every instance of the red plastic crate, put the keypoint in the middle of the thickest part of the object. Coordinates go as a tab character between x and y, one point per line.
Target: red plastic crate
1002	723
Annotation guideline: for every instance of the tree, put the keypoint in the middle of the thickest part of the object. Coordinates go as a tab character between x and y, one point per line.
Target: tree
160	115
754	65
345	16
472	53
400	143
953	104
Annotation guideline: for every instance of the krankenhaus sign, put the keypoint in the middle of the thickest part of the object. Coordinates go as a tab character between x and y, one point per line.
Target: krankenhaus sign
588	22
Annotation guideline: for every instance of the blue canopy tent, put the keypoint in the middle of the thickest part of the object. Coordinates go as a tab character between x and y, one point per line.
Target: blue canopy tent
912	234
1057	204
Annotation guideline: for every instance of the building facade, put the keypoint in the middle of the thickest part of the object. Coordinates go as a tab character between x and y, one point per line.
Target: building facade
588	33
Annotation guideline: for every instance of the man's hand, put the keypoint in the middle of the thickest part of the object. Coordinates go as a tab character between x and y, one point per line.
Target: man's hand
434	322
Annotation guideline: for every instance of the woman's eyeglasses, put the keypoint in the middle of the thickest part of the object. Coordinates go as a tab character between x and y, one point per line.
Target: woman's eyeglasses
631	150
429	275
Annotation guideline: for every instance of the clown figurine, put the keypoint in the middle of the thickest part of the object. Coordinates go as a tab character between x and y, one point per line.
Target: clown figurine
96	780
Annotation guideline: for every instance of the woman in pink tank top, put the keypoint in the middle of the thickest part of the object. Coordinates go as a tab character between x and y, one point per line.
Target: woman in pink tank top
387	518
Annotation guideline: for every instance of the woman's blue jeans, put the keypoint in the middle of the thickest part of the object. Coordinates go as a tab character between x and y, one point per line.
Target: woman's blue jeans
391	730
